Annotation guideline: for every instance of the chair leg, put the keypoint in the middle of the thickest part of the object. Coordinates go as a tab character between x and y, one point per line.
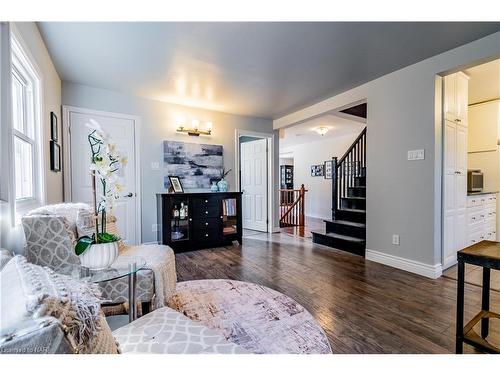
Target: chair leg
146	307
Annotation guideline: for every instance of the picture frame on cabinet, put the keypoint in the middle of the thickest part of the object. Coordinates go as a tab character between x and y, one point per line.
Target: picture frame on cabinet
175	183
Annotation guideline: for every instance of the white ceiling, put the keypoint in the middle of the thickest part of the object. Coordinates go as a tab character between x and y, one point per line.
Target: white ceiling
305	132
258	69
484	82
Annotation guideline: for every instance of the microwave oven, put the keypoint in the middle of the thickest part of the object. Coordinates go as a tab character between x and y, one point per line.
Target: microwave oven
474	180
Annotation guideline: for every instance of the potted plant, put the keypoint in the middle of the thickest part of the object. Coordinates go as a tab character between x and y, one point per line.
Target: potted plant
100	250
222	184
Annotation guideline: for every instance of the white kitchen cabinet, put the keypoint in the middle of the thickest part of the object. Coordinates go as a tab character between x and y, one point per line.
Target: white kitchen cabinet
483	126
481	218
455	133
456	96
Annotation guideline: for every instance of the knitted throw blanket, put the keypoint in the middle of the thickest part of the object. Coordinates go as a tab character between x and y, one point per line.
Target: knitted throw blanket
74	303
162	263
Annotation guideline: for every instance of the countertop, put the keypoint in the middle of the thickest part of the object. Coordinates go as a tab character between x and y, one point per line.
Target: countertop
470	194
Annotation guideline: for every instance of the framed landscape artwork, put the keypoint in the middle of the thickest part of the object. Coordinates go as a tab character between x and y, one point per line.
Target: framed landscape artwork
196	165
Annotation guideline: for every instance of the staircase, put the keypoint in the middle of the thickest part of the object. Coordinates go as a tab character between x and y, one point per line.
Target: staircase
347	229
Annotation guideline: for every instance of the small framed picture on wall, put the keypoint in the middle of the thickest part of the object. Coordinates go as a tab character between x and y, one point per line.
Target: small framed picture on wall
328	169
317	170
55	157
54	134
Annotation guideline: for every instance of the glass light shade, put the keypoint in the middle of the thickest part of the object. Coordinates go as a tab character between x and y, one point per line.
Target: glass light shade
322	130
209	125
195	124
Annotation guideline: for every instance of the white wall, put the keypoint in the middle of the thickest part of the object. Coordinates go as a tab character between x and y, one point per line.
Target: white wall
30	38
286	161
404	113
158	124
319	196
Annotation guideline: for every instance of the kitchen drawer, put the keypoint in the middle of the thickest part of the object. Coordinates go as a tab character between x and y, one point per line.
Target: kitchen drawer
491	213
475	228
473	201
491	200
208	235
491	235
200	225
476	217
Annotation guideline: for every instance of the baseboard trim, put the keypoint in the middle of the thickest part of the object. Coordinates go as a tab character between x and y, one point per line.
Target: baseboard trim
404	264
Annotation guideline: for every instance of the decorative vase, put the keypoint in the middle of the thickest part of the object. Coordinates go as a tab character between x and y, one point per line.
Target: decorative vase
214	188
223	185
99	256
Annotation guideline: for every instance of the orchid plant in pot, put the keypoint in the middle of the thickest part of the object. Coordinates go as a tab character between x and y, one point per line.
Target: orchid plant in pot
100	250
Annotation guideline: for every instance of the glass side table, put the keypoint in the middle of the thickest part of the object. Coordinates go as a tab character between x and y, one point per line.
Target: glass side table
124	266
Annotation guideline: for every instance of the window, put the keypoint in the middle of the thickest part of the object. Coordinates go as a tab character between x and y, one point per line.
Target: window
25	131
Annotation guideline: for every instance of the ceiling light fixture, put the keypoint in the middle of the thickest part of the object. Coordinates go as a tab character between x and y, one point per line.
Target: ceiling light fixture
322	130
195	130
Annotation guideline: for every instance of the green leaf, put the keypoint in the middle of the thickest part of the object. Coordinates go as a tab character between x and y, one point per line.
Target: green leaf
107	238
83	244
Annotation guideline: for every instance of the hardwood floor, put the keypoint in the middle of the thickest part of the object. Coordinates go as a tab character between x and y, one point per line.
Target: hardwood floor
364	307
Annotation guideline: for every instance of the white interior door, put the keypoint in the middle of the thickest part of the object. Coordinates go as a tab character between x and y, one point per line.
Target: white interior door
254	184
122	132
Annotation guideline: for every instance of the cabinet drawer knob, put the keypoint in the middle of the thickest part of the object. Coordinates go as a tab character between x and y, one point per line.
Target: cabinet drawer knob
206	224
206	200
206	234
206	212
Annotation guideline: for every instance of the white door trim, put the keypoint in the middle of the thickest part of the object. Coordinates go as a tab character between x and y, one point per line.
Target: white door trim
67	156
270	166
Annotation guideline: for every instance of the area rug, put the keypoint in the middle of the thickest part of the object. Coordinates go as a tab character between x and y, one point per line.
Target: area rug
258	318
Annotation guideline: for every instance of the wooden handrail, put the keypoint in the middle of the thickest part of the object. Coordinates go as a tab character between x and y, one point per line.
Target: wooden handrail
292	204
341	160
346	169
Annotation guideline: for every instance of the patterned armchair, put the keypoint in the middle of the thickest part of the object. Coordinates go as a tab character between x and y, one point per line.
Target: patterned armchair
51	233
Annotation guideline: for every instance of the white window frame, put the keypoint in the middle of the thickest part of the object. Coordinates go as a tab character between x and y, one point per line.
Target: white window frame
24	65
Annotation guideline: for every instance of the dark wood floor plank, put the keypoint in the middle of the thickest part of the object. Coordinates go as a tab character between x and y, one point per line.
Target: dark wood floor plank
364	307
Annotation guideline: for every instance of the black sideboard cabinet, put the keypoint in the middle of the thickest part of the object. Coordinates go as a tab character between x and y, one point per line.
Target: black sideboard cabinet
193	221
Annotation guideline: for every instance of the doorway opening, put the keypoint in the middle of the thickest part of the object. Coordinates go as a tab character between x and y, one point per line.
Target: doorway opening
471	160
255	176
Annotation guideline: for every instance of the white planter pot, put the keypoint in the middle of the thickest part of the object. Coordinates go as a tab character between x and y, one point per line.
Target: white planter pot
99	256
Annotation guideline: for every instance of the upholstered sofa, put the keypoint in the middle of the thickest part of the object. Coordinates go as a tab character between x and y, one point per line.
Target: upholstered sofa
45	312
51	233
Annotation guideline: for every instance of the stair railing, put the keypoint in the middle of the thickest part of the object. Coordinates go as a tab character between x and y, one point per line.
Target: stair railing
344	170
292	207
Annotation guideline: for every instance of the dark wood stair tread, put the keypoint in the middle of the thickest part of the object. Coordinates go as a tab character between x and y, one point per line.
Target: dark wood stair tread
346	222
339	236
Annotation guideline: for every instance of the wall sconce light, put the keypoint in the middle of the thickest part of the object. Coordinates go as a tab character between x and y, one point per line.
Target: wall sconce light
195	130
322	130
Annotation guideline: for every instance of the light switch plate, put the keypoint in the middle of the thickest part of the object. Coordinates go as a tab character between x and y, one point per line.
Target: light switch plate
155	165
416	154
395	239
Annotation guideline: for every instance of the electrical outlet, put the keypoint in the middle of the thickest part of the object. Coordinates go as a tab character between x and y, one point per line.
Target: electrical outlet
155	165
154	228
395	239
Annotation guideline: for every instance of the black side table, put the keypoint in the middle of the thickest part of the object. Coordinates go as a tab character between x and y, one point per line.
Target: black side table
485	254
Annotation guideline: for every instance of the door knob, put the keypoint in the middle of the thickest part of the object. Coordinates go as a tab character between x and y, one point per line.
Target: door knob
129	195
